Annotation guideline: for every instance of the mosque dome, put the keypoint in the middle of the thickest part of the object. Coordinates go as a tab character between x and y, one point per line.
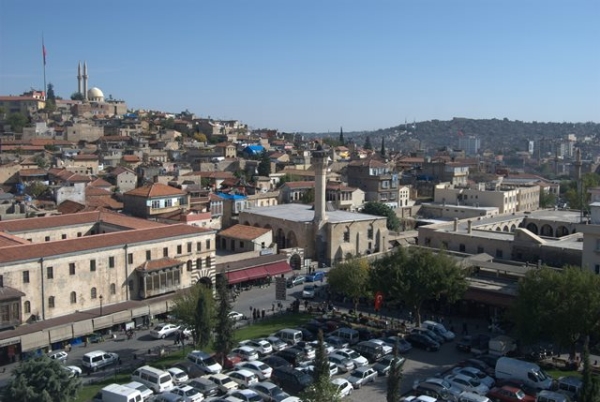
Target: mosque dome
95	94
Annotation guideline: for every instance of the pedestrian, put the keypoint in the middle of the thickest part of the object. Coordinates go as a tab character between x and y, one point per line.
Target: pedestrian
273	307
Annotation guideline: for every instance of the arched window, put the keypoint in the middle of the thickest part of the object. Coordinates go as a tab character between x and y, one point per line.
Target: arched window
347	234
51	302
198	263
73	297
93	293
27	307
113	289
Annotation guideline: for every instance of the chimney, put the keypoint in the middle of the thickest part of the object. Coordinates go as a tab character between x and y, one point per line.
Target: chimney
319	161
469	226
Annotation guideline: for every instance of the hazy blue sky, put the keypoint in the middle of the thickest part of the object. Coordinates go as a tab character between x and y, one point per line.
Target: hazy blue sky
316	65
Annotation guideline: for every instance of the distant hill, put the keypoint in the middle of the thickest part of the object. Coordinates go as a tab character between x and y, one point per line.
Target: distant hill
499	135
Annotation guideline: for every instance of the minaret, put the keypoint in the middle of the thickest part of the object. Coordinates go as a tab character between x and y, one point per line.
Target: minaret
85	83
79	78
319	162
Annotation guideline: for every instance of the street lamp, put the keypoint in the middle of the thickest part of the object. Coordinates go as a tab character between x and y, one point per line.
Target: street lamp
100	297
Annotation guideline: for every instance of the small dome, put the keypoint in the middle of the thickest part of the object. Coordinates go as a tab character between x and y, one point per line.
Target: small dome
95	94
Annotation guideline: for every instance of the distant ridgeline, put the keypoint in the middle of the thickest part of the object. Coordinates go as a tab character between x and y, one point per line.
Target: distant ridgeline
495	134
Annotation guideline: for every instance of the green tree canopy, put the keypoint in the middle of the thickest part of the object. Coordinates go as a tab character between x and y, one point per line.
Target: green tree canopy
308	197
77	96
41	379
416	275
547	199
195	307
562	305
264	166
368	144
224	340
572	194
322	390
17	121
350	278
394	378
380	209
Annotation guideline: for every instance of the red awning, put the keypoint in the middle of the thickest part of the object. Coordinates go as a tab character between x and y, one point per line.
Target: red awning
256	273
278	268
236	276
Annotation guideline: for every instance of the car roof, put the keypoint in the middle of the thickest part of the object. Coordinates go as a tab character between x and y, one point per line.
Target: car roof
339	381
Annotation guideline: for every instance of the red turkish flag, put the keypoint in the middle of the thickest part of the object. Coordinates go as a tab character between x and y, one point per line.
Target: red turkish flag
378	300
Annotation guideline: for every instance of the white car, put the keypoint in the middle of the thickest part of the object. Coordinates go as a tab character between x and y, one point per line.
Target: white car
277	343
342	363
161	331
61	356
260	369
362	376
245	353
245	395
179	376
74	371
189	394
477	374
353	355
468	384
328	348
235	316
223	381
308	292
387	349
262	346
344	388
244	378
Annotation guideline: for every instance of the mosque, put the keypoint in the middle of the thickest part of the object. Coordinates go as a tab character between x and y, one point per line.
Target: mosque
93	103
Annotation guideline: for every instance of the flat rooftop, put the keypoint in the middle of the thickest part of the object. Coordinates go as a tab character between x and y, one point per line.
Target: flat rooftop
305	213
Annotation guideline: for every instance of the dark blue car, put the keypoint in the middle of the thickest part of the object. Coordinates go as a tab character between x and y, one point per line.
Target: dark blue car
315	276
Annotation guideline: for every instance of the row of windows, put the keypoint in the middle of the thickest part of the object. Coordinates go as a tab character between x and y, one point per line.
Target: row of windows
111	260
73	298
347	233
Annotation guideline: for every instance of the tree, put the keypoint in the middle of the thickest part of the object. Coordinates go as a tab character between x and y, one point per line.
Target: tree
200	137
417	275
50	95
17	121
40	161
380	209
195	307
264	166
308	197
368	143
77	96
350	278
36	189
394	378
590	391
547	199
224	341
41	379
322	389
563	305
382	146
342	136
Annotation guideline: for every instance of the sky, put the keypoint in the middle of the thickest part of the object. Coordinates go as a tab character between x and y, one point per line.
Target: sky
316	65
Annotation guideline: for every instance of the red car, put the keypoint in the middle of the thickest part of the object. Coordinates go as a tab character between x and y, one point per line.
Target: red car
509	394
229	362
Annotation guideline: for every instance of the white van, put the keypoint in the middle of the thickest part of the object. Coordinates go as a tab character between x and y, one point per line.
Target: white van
472	397
289	336
529	373
144	390
98	359
155	379
120	393
347	334
439	329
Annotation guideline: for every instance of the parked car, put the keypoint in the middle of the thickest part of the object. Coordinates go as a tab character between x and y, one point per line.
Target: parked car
275	361
343	386
269	392
429	333
207	387
336	342
277	343
333	369
246	395
422	342
476	374
295	280
179	376
294	356
223	382
315	276
481	365
260	369
192	370
291	380
308	349
362	376
244	378
60	356
353	355
187	393
329	349
509	394
245	353
235	316
384	365
74	371
440	384
467	383
527	389
402	344
387	349
262	346
161	331
308	292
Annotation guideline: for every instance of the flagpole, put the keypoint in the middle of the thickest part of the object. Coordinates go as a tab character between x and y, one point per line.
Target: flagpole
44	62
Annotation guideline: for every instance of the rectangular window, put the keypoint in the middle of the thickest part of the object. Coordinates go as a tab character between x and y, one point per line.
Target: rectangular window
78	234
25	276
4	311
71	268
480	250
179	248
199	246
50	272
51	302
47	238
208	244
148	255
111	262
155	204
92	265
499	253
130	258
63	236
189	247
166	252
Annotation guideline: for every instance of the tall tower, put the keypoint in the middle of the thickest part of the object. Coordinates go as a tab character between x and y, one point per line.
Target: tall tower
85	82
79	78
319	162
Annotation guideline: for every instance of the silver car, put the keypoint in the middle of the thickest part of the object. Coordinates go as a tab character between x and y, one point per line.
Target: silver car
362	376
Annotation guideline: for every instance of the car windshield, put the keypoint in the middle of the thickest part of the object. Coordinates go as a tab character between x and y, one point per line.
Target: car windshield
541	375
165	379
353	355
474	382
158	328
263	366
357	373
209	361
227	380
190	392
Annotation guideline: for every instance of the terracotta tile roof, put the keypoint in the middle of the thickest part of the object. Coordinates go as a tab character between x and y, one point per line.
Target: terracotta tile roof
115	138
85	157
96	192
155	265
89	243
244	232
193	217
68	176
7	240
120	169
7	293
367	162
212	175
339	186
32	172
155	190
131	158
300	184
107	202
215	198
99	183
22	147
70	207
